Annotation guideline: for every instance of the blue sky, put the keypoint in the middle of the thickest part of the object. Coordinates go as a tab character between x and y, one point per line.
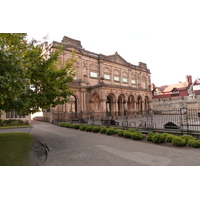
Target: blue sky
162	33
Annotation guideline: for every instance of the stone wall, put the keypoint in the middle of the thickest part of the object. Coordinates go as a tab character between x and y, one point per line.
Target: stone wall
176	103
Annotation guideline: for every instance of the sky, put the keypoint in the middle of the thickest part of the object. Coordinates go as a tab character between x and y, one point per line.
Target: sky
164	34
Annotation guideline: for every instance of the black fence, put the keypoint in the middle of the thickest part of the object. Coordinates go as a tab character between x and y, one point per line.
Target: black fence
179	120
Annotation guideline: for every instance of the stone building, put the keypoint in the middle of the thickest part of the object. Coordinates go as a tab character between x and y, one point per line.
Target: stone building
105	83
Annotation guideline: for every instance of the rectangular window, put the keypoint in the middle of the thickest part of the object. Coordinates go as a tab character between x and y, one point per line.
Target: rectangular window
133	82
13	114
93	74
106	76
116	78
125	80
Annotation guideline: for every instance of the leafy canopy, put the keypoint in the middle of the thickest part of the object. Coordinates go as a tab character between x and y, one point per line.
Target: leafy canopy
25	63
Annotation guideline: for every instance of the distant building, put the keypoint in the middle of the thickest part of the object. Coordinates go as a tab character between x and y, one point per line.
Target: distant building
105	83
176	96
173	90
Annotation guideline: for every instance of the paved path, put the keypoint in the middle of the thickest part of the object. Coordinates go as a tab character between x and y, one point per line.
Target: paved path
69	147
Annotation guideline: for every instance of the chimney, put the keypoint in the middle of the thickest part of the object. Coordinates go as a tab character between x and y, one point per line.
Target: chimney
188	79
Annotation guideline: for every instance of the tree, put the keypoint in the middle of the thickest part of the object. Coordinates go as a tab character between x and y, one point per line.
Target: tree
24	64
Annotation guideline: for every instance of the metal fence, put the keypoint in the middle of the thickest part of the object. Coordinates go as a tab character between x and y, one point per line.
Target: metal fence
183	120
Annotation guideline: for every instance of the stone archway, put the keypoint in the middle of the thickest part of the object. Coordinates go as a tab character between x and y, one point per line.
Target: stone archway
71	105
131	103
96	103
110	106
139	104
121	104
146	103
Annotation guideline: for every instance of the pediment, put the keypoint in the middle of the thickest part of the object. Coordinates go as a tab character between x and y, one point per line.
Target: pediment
117	59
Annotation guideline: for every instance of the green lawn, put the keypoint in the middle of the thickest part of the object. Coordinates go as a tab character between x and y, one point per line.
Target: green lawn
21	126
15	148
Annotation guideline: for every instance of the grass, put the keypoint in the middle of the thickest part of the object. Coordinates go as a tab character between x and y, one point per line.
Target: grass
21	126
15	148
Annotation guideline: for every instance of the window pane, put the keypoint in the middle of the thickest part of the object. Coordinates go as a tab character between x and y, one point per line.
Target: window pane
125	80
133	82
106	76
93	74
116	78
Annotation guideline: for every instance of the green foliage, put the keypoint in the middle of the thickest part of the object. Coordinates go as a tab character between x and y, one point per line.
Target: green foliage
103	129
137	136
71	126
89	128
158	138
13	122
170	137
96	129
77	126
127	134
62	124
194	143
110	131
187	137
149	136
82	127
131	130
120	132
24	63
178	141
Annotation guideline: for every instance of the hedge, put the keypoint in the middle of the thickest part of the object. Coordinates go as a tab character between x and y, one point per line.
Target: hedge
137	136
194	143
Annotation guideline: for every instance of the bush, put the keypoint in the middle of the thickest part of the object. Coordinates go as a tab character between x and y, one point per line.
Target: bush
103	129
110	131
120	132
137	136
96	129
158	138
77	126
131	130
178	141
62	124
194	143
187	137
127	134
82	127
72	126
149	136
89	128
170	137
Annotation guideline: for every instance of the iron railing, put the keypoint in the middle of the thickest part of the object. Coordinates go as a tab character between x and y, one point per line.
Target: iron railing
183	120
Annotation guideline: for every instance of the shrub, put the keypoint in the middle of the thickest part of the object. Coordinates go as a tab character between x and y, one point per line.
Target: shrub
62	124
158	138
187	137
120	132
170	137
131	130
149	136
96	129
194	143
82	127
77	126
137	136
103	129
89	128
110	131
127	134
72	126
178	141
67	125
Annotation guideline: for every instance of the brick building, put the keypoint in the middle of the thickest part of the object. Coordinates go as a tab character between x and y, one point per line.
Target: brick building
105	83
